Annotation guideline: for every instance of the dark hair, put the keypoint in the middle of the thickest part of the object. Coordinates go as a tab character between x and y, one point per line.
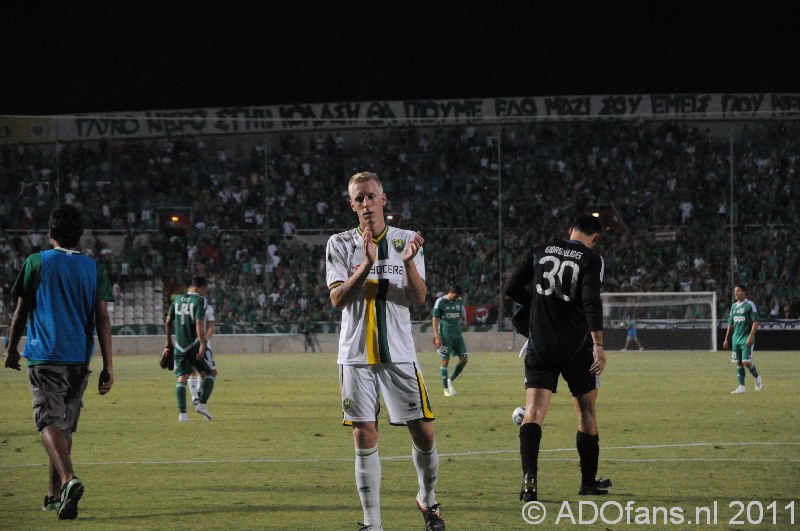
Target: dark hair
455	288
741	287
588	224
66	226
199	282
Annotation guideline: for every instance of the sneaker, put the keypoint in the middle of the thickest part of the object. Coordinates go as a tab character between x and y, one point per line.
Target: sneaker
369	527
529	490
203	410
739	390
759	385
70	496
51	503
450	387
183	417
195	401
447	392
432	516
598	488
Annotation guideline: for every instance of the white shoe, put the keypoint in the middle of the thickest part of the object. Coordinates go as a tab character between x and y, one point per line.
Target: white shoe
203	410
759	385
450	387
447	392
739	390
183	417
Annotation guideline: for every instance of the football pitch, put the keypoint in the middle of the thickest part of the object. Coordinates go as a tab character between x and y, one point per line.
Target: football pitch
678	446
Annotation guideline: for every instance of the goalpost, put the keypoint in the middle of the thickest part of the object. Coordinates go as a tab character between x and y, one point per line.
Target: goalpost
662	321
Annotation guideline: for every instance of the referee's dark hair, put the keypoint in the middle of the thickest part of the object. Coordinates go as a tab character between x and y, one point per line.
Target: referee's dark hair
588	224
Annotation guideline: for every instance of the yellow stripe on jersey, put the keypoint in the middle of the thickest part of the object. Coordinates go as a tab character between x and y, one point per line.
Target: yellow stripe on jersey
371	328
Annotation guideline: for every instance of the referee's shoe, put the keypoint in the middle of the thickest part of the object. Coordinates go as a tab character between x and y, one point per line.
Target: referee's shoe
598	488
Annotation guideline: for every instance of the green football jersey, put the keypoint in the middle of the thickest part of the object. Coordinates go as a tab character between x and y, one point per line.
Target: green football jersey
186	310
450	314
742	317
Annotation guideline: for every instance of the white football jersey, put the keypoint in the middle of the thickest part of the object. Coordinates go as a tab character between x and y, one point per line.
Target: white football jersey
209	319
376	326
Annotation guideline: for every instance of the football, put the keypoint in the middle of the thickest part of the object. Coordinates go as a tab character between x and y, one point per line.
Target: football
518	414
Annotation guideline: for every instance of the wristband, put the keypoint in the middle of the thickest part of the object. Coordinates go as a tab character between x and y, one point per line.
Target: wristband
598	344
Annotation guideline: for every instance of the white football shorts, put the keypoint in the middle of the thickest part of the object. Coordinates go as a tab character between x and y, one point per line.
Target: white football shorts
400	384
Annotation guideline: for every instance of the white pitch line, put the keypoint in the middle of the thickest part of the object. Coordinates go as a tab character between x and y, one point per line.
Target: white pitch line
473	454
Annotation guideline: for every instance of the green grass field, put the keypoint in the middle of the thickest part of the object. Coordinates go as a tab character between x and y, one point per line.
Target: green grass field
276	456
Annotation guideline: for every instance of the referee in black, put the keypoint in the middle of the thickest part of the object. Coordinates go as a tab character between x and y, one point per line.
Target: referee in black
558	286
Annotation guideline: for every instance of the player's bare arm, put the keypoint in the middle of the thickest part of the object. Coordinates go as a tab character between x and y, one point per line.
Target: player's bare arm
346	292
168	331
200	328
106	379
416	286
437	341
18	322
727	335
598	352
752	337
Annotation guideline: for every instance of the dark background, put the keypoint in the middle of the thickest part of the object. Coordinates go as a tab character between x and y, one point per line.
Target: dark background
70	57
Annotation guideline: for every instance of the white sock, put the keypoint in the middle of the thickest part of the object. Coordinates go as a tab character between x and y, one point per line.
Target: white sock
368	482
194	386
427	465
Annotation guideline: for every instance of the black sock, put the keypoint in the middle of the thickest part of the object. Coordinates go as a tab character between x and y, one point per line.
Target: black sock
530	435
589	452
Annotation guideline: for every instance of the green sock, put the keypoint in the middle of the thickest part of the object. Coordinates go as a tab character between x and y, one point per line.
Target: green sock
443	371
208	386
180	394
740	375
753	370
456	372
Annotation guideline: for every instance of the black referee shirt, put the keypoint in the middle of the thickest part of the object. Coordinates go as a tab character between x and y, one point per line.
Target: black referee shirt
565	278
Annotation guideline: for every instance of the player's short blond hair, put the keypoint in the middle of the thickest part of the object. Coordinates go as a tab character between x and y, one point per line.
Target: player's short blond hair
365	176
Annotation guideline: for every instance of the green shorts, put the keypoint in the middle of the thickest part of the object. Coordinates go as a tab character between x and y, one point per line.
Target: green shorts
453	347
186	362
742	353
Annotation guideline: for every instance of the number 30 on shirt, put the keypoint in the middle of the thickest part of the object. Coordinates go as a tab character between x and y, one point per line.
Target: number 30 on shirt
554	278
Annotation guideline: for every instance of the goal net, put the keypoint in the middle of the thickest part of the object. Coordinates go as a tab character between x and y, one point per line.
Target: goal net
660	321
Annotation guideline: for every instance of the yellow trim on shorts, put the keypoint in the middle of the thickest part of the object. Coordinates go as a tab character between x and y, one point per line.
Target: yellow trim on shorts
423	394
371	322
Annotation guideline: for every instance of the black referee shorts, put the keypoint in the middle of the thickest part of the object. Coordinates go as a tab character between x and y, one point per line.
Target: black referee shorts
542	371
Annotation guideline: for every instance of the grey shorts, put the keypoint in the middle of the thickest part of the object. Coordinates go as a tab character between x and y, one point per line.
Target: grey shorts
57	392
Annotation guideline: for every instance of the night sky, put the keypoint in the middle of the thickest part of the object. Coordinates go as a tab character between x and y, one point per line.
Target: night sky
78	57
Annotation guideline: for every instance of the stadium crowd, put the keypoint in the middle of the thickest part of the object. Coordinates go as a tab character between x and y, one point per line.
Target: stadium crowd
663	189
